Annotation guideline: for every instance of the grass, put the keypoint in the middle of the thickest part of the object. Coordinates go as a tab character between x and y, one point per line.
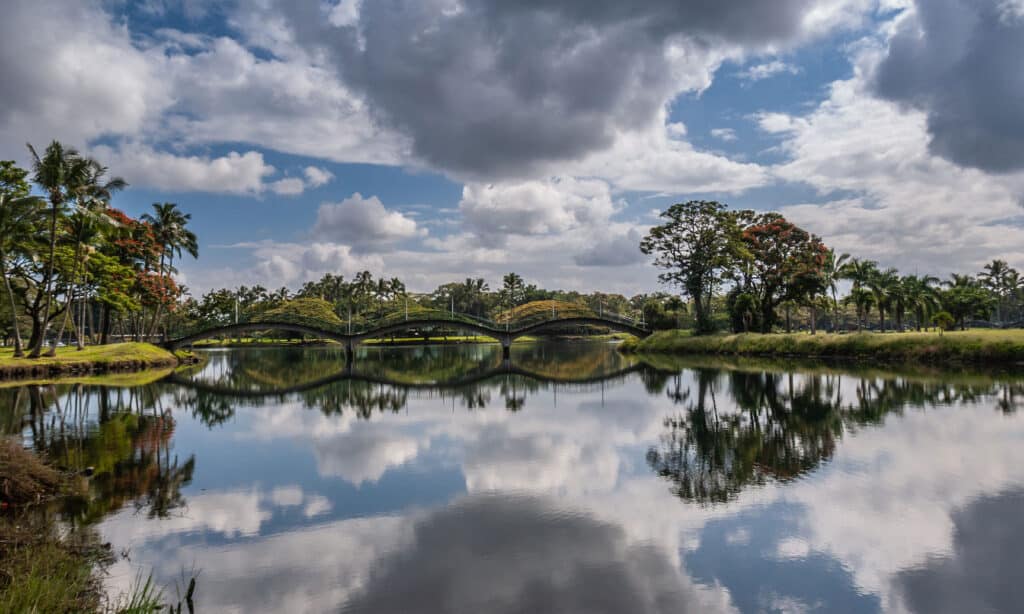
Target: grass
47	568
97	358
989	346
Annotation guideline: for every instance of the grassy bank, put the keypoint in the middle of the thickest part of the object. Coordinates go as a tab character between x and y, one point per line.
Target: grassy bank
982	346
98	359
48	567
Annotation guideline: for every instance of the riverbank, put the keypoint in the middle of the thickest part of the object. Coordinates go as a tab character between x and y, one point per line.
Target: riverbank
973	346
93	360
49	566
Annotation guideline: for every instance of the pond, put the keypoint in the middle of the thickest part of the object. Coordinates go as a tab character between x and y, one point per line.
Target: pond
571	478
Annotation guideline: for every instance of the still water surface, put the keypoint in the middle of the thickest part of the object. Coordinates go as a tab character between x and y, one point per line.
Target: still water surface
572	479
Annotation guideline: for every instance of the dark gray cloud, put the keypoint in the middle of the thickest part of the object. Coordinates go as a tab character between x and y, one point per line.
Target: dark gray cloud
622	250
984	574
491	89
501	554
960	62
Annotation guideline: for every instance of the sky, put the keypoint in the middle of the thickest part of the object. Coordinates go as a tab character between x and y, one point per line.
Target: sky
435	140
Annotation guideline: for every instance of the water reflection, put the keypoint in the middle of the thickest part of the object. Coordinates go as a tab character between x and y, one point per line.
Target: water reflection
572	478
780	425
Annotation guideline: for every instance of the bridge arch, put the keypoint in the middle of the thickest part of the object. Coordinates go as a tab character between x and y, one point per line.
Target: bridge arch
247	327
615	325
504	336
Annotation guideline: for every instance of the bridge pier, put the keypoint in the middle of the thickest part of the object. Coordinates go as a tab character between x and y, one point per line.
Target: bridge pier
350	353
506	347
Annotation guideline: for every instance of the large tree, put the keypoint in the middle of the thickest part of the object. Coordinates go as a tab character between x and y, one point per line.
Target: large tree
697	246
783	262
59	172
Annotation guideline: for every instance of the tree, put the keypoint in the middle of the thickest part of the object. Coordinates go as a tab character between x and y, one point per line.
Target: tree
944	320
965	298
169	226
697	246
513	291
885	287
994	278
784	263
921	297
859	272
91	198
833	273
20	215
58	173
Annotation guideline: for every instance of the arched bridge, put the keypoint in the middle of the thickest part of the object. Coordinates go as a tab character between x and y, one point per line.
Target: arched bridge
503	333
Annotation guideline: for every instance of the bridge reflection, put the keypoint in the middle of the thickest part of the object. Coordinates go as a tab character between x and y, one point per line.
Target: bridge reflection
351	374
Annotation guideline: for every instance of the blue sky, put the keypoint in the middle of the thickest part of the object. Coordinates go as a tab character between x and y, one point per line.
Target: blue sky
440	139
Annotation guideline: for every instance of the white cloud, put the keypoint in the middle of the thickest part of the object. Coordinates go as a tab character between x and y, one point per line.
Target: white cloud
289	186
364	223
57	64
724	134
237	173
903	205
758	72
557	205
653	160
316	176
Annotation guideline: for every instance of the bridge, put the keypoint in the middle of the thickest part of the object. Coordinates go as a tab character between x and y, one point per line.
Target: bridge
504	333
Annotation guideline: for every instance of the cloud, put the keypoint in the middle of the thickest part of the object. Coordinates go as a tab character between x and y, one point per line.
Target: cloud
978	575
504	90
958	61
767	70
557	205
541	558
724	134
316	177
236	173
313	177
619	250
364	223
56	62
886	195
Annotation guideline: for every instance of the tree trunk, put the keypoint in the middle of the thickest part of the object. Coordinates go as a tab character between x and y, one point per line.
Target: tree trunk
18	351
104	324
881	319
789	324
37	349
814	319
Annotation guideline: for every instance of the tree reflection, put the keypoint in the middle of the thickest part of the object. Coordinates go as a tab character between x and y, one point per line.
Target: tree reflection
121	438
743	427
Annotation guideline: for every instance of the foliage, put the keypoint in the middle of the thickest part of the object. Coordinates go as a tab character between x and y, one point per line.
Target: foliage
697	246
944	320
987	346
300	311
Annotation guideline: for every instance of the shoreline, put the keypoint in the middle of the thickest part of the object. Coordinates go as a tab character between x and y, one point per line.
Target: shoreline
985	346
128	357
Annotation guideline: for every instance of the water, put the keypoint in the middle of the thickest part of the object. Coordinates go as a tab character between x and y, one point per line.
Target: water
573	479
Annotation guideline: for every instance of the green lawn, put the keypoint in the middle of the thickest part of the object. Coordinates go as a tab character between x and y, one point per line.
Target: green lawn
980	345
115	357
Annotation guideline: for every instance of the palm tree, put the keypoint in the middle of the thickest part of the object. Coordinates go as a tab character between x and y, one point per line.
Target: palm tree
169	227
885	287
1013	284
994	278
58	172
921	296
19	218
860	272
833	272
91	198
